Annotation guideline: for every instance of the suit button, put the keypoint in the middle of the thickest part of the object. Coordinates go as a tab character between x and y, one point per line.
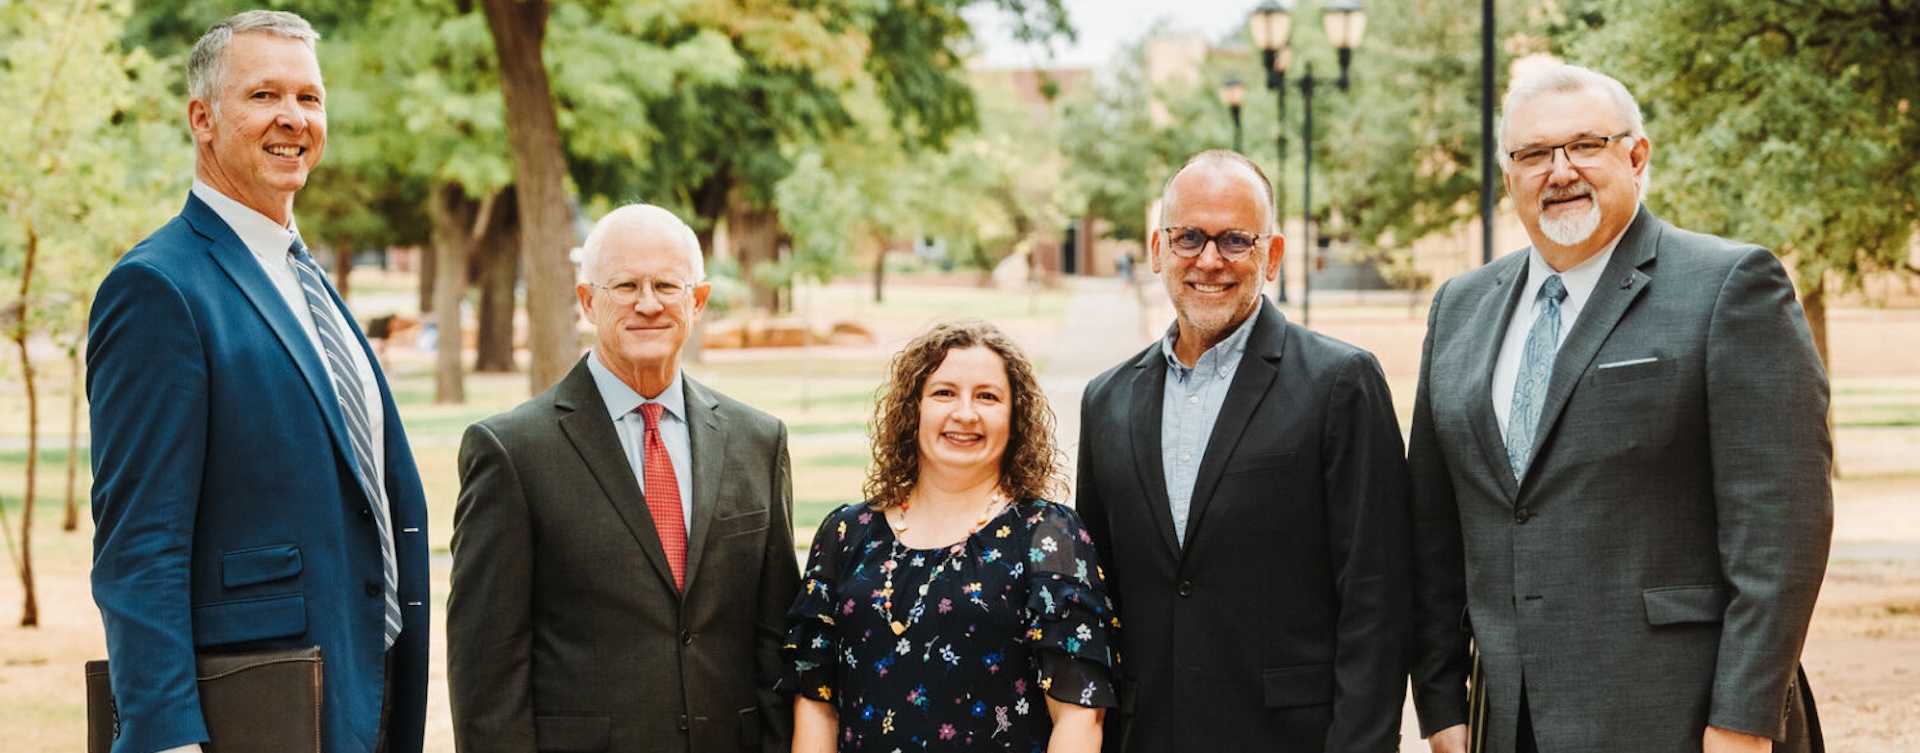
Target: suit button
1186	588
373	589
366	513
686	638
1520	516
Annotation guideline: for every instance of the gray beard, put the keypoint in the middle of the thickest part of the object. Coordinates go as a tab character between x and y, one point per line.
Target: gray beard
1570	232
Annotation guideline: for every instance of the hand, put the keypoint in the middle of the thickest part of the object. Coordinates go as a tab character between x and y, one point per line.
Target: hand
1450	740
1718	740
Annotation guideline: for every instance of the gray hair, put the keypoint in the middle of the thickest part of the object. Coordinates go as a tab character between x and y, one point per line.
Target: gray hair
207	64
641	216
1215	159
1563	79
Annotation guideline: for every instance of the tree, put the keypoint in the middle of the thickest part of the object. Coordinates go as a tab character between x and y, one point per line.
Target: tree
1788	126
539	166
1403	149
98	168
1118	156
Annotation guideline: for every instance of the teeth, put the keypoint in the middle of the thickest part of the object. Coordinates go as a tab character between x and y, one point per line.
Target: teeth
1209	288
284	151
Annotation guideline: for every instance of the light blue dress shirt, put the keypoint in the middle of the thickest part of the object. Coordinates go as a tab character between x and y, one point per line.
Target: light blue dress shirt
1188	409
623	405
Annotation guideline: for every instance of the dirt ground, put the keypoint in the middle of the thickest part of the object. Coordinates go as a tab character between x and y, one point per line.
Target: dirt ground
1863	656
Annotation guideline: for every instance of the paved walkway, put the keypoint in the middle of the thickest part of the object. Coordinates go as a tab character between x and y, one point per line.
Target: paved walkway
1107	321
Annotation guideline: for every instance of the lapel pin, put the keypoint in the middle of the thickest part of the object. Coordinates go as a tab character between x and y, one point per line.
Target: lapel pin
1626	282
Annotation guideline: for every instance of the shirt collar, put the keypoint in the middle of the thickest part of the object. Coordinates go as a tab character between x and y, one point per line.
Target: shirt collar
622	399
1580	280
1226	351
264	237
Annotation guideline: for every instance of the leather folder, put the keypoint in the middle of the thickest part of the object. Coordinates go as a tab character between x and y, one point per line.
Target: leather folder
257	702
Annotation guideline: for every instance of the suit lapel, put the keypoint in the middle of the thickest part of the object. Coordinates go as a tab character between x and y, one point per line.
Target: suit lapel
1495	311
706	429
584	420
1148	387
237	262
1620	284
1252	381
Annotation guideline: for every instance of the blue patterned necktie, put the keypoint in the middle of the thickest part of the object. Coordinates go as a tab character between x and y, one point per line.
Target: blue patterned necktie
346	389
1536	368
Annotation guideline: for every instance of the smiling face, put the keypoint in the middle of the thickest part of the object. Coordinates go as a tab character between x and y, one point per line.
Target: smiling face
640	341
266	124
1572	212
1211	295
966	409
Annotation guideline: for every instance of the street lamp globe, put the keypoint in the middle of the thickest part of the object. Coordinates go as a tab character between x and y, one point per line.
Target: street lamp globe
1270	24
1346	23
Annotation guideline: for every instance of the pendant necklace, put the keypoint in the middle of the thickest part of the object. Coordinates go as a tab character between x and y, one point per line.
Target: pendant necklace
892	563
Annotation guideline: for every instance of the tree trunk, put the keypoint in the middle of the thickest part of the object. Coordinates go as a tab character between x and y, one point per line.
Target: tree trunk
30	608
77	365
1814	303
539	165
880	273
342	269
452	214
497	255
424	275
754	233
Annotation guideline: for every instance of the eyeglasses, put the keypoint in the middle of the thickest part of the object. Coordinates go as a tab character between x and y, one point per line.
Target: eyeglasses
627	293
1584	152
1233	245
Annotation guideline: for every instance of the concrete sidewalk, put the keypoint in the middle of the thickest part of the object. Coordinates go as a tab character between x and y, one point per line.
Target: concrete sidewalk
1107	321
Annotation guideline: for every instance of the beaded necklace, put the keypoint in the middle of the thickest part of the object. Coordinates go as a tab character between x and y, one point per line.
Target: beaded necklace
886	590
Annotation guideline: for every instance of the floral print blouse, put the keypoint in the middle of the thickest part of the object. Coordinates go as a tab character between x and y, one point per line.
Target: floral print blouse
976	633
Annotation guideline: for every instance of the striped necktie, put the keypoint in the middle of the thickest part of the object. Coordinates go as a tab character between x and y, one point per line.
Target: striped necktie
347	389
1536	368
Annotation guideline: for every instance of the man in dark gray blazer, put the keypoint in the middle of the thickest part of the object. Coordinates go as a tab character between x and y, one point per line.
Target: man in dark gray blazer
1243	479
1620	459
623	544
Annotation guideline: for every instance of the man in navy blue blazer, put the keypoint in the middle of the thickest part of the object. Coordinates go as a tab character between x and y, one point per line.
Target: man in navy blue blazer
252	486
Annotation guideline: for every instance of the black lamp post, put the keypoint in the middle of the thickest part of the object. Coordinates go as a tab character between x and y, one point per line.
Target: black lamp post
1269	26
1233	94
1345	22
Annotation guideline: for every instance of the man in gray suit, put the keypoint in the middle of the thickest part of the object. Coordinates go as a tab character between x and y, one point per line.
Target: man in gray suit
1621	464
623	543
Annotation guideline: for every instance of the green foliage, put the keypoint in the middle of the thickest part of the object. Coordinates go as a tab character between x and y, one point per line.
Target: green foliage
1403	148
96	154
1117	157
1791	126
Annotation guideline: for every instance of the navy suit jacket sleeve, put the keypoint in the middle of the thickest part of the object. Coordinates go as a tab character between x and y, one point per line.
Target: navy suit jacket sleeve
147	388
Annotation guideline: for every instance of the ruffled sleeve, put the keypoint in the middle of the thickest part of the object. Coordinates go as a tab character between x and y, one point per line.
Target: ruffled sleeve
809	649
1073	623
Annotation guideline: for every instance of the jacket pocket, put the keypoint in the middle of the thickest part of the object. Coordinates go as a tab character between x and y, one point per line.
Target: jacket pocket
1632	370
750	729
1673	605
245	567
751	521
572	733
240	620
1292	687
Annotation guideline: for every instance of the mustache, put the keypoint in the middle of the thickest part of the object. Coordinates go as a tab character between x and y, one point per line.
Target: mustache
1569	191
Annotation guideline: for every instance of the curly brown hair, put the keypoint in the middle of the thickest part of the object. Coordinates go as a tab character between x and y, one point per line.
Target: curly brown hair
1030	467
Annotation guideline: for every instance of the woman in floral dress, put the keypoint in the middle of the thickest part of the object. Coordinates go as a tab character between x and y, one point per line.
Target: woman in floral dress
956	608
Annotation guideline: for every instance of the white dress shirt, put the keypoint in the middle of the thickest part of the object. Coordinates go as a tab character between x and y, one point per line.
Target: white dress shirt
1580	282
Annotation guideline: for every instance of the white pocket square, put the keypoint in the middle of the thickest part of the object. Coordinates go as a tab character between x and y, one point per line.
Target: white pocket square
1632	362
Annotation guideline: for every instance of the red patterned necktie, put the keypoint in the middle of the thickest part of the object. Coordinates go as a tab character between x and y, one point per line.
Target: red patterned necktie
662	490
